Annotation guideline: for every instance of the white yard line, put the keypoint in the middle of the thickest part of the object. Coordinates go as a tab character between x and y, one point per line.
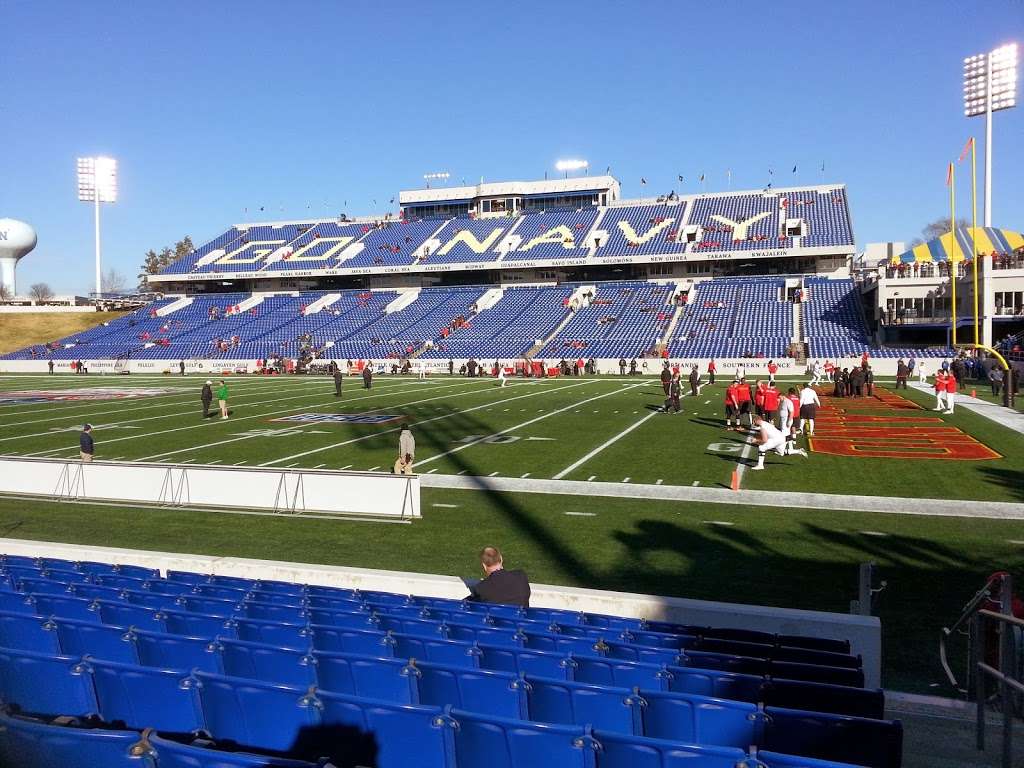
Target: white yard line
237	419
425	421
603	445
748	448
525	423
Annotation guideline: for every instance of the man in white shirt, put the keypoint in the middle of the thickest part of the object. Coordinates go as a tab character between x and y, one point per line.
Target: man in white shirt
769	438
816	372
809	404
787	415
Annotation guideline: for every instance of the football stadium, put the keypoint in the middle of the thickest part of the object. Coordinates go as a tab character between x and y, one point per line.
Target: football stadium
566	468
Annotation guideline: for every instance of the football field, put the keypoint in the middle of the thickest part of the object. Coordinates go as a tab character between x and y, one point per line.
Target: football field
537	434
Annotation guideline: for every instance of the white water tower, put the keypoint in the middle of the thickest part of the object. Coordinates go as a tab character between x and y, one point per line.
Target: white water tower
16	240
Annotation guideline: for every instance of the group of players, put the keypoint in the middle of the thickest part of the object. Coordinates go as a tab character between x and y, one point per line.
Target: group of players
775	417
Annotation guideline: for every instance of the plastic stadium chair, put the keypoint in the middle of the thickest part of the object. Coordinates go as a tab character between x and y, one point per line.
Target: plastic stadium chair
188	577
164	587
342	640
857	740
699	719
25	743
276	598
96	592
368	732
822	697
137	572
335	603
127	615
620	750
502	743
197	624
179	652
525	662
16	602
279	588
80	638
331	618
66	607
41	684
568	703
43	587
817	674
449	652
274	612
94	568
272	632
121	582
721	685
623	674
233	594
249	714
375	678
259	661
137	697
171	754
208	606
484	691
25	632
149	599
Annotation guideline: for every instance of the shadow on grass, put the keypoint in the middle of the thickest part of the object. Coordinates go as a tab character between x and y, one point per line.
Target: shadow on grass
1011	479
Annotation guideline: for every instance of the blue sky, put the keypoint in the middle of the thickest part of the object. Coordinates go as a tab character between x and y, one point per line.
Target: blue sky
311	108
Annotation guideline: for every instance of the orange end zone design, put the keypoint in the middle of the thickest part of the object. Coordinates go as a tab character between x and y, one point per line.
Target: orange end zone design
840	431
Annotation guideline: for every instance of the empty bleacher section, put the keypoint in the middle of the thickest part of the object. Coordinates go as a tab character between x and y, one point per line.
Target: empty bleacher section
735	317
267	672
623	319
508	329
833	319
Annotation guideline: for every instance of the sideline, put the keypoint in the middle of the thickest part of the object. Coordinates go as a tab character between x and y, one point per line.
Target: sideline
995	510
1005	417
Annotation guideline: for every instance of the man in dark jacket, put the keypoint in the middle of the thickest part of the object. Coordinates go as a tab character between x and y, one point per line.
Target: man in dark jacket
207	397
694	381
337	381
666	378
86	445
498	585
368	376
902	373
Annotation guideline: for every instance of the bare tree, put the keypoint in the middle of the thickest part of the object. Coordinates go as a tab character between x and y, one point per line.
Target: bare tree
113	281
940	227
5	293
40	292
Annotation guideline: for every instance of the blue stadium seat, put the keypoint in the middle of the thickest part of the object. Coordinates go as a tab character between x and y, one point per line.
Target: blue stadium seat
484	691
137	571
208	606
272	612
822	697
96	592
43	587
25	632
188	577
171	754
272	632
163	651
710	682
149	599
699	719
32	744
42	684
623	674
568	703
816	673
66	607
277	598
503	743
861	741
92	567
249	714
526	662
137	697
121	582
126	615
342	640
219	592
385	735
258	661
334	603
449	652
197	624
16	602
279	588
101	641
331	618
375	678
619	750
164	587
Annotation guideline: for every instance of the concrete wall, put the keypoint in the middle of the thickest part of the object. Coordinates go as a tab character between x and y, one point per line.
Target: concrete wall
863	632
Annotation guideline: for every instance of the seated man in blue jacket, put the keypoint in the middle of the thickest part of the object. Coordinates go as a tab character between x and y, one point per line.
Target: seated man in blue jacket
498	585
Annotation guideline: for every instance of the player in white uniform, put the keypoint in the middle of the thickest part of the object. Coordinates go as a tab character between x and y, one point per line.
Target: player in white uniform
501	375
809	404
816	372
787	415
769	438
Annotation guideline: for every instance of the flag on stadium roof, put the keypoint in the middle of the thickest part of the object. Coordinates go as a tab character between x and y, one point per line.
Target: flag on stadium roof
990	240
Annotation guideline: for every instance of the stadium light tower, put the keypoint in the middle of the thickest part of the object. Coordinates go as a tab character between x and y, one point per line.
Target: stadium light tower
97	183
442	177
571	165
990	84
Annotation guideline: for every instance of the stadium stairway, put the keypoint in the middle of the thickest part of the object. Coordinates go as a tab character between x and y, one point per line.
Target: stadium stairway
105	665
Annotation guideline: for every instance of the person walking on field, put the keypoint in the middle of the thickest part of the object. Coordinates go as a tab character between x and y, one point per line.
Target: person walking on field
951	390
809	404
368	377
222	398
206	396
772	370
337	381
711	371
86	445
666	378
940	391
902	374
501	375
406	451
50	366
181	367
694	382
674	394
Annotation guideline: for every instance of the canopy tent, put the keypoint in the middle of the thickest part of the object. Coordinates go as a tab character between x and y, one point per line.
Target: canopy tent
990	240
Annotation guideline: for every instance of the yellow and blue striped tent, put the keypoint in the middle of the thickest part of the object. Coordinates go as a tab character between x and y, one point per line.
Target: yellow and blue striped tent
942	248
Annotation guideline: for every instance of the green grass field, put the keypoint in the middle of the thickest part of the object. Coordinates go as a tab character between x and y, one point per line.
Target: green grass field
775	556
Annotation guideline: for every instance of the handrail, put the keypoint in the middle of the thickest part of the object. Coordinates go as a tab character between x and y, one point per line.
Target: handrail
1003	675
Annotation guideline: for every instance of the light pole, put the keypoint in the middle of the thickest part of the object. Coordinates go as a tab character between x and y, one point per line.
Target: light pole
990	84
97	183
441	176
571	165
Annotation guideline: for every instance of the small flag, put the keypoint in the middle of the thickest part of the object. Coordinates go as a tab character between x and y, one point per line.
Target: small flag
949	175
608	170
680	178
643	181
794	169
392	200
771	172
702	178
822	166
967	148
728	173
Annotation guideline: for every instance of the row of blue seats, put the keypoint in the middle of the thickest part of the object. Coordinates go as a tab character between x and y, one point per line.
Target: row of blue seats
279	653
86	604
34	744
126	577
279	718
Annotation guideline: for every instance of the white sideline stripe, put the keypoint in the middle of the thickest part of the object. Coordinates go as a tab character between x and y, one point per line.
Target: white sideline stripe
603	445
235	420
748	447
318	466
492	474
215	461
526	423
346	466
238	463
432	471
371	469
425	421
591	478
527	474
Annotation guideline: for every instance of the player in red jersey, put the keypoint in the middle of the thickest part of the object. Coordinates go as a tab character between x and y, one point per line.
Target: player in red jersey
744	400
732	405
951	388
771	403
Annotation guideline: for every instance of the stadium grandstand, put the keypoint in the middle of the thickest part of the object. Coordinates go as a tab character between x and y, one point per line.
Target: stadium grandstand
737	275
